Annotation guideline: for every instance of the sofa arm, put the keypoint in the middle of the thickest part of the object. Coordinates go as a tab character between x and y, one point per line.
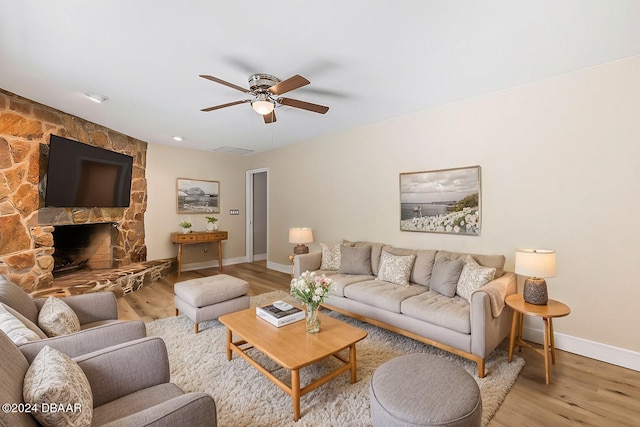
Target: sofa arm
306	262
122	369
88	340
487	330
191	409
92	307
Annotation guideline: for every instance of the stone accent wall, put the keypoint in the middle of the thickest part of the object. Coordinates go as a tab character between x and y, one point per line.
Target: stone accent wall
26	242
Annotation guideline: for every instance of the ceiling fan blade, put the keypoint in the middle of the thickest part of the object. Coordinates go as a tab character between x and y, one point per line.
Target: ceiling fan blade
217	107
303	105
222	82
288	85
270	118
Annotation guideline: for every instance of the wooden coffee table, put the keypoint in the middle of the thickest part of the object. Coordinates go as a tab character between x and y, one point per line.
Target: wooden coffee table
293	348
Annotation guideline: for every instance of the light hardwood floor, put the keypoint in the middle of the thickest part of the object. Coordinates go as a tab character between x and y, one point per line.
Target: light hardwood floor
582	392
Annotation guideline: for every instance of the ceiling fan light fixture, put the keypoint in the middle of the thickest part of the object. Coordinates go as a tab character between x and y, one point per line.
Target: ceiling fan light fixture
262	105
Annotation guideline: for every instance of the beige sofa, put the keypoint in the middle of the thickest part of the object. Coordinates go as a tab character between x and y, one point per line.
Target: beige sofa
453	301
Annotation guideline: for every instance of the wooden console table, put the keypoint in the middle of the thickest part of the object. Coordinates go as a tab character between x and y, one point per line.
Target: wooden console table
196	237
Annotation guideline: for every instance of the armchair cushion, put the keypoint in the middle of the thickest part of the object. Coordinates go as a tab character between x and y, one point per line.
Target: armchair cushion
57	318
54	379
15	297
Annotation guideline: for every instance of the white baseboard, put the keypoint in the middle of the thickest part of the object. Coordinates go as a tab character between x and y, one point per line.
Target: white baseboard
282	268
591	349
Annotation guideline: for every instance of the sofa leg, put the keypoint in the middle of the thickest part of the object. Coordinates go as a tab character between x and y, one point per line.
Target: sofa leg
481	368
177	311
195	328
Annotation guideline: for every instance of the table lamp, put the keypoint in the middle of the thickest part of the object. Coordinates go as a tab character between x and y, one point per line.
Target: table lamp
536	264
300	236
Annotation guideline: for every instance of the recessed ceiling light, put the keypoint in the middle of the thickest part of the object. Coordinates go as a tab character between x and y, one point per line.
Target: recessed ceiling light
96	97
177	138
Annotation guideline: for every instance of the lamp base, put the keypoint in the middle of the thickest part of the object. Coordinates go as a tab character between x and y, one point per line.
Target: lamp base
535	291
300	249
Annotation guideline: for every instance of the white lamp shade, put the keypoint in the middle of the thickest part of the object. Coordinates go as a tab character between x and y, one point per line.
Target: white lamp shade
536	262
300	235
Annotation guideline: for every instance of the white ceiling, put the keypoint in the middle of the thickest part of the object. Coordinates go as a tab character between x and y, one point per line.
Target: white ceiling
368	60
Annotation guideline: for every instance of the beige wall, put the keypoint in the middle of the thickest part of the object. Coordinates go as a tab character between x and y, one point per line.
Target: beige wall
560	165
164	165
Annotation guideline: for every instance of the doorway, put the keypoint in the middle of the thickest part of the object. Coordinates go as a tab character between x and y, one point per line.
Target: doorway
257	190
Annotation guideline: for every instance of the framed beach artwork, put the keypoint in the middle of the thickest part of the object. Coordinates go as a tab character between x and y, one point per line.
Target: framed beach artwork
196	196
441	201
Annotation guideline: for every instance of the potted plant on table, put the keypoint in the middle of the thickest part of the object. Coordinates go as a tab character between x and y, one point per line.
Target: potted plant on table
311	289
211	223
186	226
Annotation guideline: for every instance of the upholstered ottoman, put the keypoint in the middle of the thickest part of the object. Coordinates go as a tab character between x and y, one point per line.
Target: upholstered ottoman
423	390
208	298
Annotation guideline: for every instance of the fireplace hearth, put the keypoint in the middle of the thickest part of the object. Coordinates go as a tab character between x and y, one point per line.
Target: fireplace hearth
83	246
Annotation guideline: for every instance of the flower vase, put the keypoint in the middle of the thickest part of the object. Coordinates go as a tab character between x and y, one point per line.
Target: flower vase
313	319
209	226
186	230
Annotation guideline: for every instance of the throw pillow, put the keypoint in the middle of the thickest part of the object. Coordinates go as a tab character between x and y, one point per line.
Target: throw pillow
28	323
395	268
53	378
15	329
57	318
331	255
445	275
473	277
355	260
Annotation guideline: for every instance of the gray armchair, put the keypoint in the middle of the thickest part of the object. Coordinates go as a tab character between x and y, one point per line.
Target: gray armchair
97	313
129	383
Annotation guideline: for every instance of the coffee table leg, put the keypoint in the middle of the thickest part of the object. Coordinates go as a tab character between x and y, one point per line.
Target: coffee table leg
352	362
295	393
229	339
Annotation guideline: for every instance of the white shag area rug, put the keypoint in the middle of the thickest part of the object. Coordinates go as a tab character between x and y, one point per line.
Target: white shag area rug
244	397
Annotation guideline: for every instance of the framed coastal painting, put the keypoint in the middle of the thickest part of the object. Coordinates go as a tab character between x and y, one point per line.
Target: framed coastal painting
441	201
196	196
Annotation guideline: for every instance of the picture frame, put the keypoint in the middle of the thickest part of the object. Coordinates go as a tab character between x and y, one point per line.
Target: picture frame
196	196
441	201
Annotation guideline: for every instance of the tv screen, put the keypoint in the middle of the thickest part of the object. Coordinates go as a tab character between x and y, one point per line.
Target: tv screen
81	175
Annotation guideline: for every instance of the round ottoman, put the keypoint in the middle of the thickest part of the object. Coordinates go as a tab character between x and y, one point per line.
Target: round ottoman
424	390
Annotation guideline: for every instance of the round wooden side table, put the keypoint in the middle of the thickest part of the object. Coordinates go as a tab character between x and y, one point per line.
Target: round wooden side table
552	309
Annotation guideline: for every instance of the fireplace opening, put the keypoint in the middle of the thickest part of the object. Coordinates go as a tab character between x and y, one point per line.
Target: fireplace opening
82	246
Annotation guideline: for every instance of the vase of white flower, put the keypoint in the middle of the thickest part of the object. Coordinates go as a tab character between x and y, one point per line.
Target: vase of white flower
311	290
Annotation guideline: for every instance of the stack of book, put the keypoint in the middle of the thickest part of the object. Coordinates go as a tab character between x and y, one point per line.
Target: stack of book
277	317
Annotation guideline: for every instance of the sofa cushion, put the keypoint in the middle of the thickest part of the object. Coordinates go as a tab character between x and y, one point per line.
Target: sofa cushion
15	297
57	318
396	269
492	261
445	275
473	277
385	295
15	329
451	313
54	378
340	281
355	260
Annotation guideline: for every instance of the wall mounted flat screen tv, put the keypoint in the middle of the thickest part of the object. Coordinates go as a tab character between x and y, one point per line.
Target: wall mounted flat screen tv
81	175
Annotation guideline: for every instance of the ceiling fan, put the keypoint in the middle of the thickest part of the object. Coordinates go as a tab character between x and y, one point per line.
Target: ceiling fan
266	90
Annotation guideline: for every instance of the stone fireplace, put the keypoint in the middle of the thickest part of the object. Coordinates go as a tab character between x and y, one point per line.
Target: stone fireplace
27	229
